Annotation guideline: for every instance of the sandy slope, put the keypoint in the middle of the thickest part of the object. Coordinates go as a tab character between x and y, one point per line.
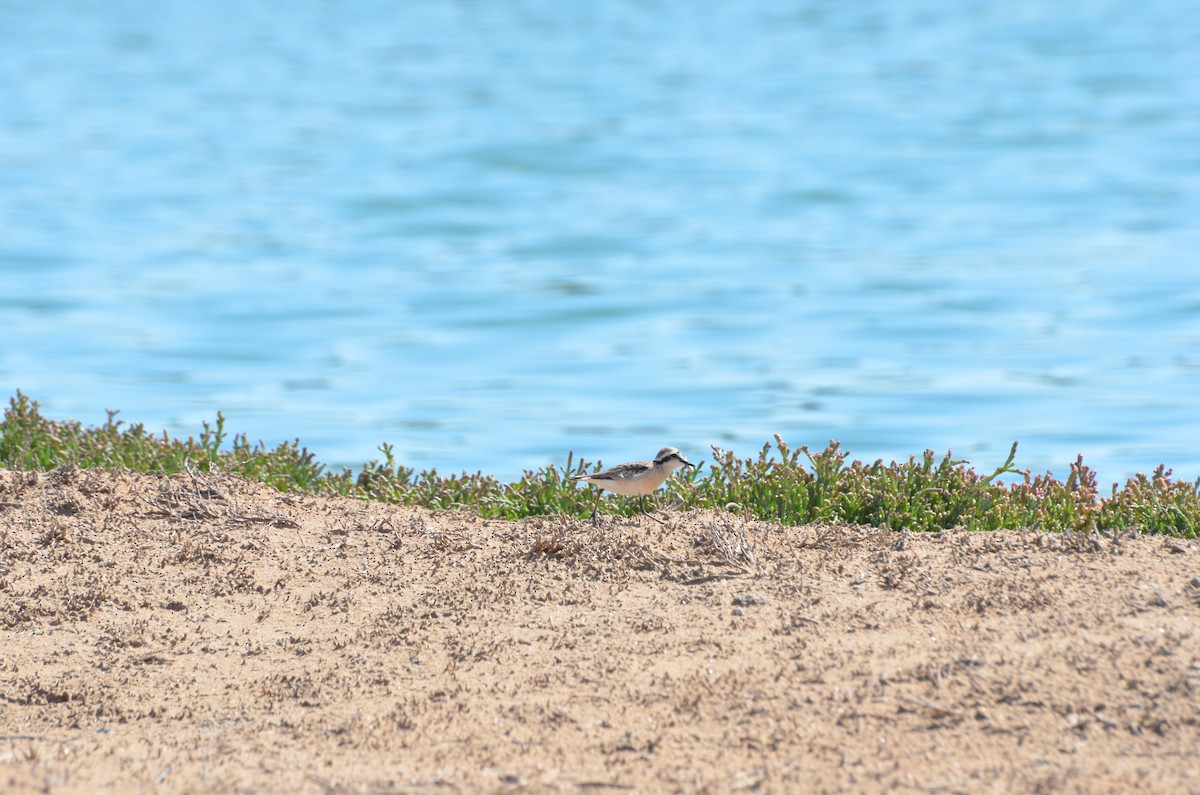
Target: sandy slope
209	634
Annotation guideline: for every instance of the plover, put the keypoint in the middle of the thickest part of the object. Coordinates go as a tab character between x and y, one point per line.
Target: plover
636	479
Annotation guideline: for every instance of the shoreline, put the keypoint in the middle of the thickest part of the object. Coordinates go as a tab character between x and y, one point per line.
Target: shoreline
792	485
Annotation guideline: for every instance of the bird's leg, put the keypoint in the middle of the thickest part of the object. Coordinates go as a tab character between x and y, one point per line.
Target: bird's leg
642	503
595	506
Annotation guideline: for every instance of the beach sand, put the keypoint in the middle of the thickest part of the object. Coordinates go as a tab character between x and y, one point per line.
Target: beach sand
208	634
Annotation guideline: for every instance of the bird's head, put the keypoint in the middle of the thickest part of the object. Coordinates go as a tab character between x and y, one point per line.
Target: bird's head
671	457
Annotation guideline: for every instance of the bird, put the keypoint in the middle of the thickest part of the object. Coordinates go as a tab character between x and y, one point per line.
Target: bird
637	478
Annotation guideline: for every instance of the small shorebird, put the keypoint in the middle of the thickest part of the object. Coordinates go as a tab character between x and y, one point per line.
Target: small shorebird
637	478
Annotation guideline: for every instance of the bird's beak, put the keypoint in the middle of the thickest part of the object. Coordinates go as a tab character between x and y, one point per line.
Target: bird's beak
687	463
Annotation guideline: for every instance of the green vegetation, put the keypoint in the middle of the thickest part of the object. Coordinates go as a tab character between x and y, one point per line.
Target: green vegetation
782	484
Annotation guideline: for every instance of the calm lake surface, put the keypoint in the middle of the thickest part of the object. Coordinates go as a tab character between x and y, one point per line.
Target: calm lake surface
493	233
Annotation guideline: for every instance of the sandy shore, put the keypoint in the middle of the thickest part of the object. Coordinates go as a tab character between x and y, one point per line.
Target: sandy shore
209	634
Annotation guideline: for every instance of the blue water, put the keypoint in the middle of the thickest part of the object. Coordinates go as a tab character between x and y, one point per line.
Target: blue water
492	233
